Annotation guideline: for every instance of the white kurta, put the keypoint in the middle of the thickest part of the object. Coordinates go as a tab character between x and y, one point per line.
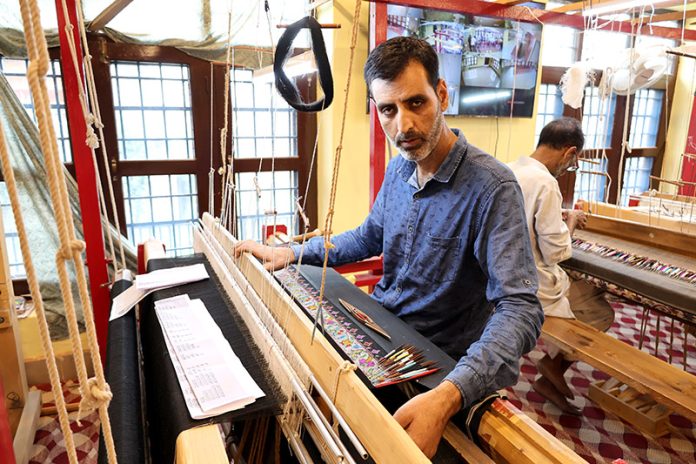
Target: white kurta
548	232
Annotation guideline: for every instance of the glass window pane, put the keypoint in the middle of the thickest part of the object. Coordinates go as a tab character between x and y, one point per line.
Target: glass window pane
278	193
597	119
560	46
164	207
636	177
153	110
15	71
590	183
645	118
260	118
550	107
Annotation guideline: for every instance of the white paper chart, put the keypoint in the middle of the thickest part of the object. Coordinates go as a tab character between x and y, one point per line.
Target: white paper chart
212	378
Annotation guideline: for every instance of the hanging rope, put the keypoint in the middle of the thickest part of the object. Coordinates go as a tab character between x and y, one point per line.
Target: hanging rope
337	163
54	376
95	393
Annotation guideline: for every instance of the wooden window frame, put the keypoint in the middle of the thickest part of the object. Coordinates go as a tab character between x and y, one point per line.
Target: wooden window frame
200	75
552	75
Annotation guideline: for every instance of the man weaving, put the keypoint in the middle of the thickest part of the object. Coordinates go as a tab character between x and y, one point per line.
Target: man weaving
449	222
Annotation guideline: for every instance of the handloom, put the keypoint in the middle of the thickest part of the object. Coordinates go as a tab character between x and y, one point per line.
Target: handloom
282	332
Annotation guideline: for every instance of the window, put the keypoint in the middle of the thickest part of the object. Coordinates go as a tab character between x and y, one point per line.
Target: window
636	177
152	102
560	46
163	207
602	48
16	73
645	119
278	193
14	252
265	128
550	107
597	119
590	183
264	125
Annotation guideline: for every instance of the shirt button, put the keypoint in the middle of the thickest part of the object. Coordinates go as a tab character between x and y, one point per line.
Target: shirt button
416	196
398	289
410	229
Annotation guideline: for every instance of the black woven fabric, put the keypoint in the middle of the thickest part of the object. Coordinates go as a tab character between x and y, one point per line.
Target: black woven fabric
659	287
123	376
285	85
167	414
401	333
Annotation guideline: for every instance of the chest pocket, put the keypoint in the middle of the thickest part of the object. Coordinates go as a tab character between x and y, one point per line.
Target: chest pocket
440	259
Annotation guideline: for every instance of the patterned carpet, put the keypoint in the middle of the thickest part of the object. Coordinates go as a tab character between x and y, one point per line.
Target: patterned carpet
600	437
597	436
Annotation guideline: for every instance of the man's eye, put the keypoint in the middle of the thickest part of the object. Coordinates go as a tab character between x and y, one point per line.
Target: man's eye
387	111
416	103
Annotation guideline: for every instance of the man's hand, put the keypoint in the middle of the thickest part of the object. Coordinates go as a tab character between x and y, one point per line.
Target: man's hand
575	219
425	416
272	257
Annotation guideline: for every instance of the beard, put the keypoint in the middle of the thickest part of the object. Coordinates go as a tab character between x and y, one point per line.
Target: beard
427	141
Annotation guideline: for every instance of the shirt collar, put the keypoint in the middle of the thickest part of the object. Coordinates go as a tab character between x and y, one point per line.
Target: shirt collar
446	169
529	161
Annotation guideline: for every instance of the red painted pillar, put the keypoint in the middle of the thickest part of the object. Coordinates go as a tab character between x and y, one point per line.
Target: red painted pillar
378	34
6	447
86	178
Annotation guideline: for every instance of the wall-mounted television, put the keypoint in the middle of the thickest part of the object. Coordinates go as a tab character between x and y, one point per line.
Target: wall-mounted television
487	63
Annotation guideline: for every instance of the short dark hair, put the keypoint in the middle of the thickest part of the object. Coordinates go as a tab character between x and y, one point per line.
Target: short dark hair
562	133
390	58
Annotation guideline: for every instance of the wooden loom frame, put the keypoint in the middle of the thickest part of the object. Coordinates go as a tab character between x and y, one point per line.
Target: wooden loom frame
509	435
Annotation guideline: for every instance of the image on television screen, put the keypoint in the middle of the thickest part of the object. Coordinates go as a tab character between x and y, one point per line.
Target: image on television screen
484	61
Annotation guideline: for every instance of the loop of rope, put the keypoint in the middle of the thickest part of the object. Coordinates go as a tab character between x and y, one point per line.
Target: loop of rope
66	251
38	53
345	367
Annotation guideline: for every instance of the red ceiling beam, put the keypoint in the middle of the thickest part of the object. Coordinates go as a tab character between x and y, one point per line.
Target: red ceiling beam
521	13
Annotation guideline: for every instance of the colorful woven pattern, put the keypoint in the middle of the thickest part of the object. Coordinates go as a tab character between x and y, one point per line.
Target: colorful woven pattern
351	340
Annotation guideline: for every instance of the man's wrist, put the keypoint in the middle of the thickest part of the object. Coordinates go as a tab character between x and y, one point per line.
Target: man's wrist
450	396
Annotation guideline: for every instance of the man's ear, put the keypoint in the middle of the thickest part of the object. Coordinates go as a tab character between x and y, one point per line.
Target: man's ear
442	94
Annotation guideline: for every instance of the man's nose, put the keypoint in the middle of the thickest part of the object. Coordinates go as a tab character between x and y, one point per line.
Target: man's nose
405	122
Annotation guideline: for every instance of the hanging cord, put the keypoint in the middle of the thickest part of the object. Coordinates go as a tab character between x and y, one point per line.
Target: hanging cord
95	391
93	118
211	172
337	162
627	112
35	291
225	127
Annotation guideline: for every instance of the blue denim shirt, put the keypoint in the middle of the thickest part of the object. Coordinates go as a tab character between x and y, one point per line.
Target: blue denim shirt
458	264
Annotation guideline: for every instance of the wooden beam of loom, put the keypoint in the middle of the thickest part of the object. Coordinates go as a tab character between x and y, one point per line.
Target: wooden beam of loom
384	438
666	384
652	229
673	16
107	14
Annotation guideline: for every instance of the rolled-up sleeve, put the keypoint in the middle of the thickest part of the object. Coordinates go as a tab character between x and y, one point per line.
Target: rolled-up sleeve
503	251
553	237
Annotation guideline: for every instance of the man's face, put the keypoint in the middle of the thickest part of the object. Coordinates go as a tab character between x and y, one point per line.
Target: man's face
410	111
568	162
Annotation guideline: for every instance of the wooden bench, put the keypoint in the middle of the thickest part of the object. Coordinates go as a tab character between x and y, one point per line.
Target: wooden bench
667	385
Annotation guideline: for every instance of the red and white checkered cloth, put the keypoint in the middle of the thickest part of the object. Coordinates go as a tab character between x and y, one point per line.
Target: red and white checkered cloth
598	436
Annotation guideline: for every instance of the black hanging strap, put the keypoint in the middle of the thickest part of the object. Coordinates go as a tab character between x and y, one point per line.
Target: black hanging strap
286	87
